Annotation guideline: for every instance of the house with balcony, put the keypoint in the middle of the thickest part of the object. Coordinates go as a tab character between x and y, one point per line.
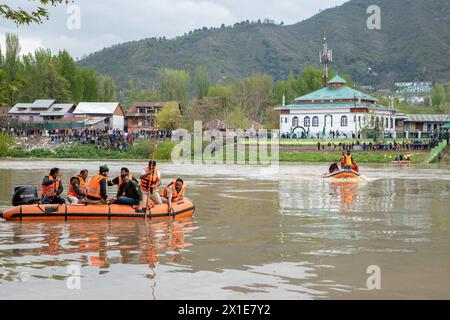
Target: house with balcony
140	115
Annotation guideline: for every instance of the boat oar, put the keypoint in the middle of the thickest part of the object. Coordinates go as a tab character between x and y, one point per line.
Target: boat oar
152	167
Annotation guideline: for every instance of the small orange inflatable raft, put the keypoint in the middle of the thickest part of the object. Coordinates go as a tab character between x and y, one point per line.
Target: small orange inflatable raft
402	162
343	174
40	212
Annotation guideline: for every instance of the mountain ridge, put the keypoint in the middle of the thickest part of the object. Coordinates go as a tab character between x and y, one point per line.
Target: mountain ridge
413	44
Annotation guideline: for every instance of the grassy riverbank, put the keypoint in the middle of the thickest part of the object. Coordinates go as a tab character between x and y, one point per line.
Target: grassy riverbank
163	152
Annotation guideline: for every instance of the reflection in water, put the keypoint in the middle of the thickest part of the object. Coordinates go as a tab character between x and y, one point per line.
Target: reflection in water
288	235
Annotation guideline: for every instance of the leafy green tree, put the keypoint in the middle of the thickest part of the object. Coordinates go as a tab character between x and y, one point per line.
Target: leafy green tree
252	95
36	15
202	81
11	65
57	87
169	118
69	70
91	84
439	96
107	90
173	85
237	119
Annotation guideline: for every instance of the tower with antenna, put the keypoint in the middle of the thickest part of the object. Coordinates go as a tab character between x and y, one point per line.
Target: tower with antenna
326	56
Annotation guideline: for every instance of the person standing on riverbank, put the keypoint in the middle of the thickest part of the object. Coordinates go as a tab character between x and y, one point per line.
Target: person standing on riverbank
51	188
78	187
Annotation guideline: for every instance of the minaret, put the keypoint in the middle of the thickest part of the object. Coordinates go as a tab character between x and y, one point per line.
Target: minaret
326	56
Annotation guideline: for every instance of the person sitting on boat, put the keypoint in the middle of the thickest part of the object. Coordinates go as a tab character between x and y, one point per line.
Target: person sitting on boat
334	167
343	160
51	188
117	181
348	160
129	192
355	167
98	187
150	181
399	158
407	158
174	192
78	186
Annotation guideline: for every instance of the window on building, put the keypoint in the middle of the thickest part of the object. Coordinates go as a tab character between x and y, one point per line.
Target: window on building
315	122
307	122
295	122
328	120
387	123
344	121
285	120
392	123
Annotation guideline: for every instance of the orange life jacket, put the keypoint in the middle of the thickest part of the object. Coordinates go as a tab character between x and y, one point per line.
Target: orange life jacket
148	181
355	167
51	189
175	193
82	185
94	189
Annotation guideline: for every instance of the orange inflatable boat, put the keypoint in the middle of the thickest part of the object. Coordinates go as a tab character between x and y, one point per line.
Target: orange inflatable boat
343	174
41	212
402	162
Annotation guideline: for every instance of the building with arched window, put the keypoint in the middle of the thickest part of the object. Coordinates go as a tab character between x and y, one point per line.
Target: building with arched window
336	107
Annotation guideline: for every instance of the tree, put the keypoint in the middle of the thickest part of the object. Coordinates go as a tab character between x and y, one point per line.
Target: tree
169	118
202	82
11	65
107	90
69	70
173	85
57	87
252	95
36	15
438	96
91	84
237	119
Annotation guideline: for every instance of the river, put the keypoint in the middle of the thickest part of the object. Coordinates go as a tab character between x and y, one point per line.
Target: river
258	233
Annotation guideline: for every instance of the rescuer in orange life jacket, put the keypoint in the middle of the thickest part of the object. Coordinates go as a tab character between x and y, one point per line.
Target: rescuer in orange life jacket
174	192
150	181
51	188
78	187
98	187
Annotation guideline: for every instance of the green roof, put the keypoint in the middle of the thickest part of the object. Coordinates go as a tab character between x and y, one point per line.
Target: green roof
337	79
446	126
331	105
343	92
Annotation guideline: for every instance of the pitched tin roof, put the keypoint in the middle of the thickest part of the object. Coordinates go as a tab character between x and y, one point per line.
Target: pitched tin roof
58	110
426	118
343	92
337	79
96	108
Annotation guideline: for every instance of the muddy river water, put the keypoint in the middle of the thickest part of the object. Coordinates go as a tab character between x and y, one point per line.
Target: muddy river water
258	233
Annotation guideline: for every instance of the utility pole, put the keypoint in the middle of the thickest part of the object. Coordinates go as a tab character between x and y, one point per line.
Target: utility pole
326	56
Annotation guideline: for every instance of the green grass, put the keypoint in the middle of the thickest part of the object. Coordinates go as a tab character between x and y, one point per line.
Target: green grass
310	142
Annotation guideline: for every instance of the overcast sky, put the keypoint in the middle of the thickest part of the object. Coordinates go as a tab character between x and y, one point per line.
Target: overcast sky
107	22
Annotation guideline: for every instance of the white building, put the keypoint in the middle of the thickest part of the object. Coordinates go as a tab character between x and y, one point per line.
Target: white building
337	108
101	114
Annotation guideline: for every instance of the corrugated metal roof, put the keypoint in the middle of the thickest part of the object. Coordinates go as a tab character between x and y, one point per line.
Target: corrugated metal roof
331	105
41	104
58	110
426	118
335	94
96	108
337	79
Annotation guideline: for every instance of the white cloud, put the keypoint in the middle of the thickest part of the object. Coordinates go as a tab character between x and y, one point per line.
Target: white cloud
107	22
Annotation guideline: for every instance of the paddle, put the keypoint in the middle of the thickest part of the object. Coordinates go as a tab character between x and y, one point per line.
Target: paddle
151	166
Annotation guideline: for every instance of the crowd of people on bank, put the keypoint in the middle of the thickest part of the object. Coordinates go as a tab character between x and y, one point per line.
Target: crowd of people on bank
109	139
379	146
140	191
